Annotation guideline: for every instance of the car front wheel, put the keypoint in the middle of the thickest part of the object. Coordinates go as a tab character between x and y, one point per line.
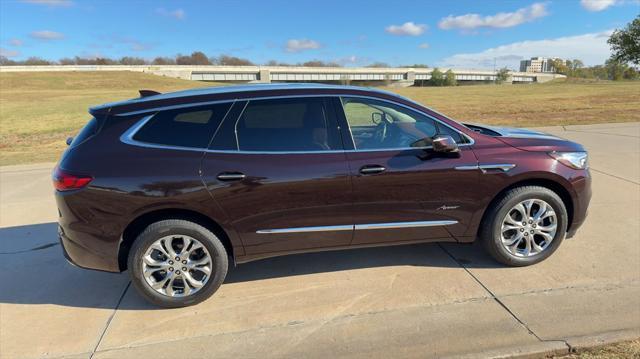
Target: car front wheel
176	263
524	226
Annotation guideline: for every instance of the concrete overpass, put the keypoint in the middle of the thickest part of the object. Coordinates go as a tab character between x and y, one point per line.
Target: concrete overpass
393	76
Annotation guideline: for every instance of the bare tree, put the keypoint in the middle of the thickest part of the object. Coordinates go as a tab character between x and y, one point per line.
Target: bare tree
129	60
226	60
163	61
378	65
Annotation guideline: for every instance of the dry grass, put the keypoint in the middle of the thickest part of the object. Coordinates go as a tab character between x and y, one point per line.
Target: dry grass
548	104
620	350
39	110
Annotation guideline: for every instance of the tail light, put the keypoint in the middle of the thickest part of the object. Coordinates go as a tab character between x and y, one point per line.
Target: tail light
65	181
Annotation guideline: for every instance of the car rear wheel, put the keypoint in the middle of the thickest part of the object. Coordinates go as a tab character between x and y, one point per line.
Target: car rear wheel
176	263
524	226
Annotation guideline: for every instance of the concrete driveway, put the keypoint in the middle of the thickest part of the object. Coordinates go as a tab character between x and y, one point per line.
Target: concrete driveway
412	301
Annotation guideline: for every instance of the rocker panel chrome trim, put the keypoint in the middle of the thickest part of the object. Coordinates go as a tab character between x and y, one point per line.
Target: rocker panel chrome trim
350	227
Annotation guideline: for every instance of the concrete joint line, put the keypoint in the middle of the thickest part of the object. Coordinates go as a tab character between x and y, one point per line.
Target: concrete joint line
293	323
601	133
502	304
104	331
614	176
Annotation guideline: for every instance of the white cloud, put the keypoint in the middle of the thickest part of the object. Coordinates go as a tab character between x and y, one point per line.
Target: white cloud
591	48
47	35
9	53
597	5
406	29
499	20
423	45
52	3
16	42
298	45
177	14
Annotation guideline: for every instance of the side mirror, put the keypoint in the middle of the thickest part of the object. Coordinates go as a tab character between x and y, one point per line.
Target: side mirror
69	140
444	144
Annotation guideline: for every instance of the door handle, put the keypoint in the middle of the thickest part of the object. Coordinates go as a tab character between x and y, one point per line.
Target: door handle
231	176
372	169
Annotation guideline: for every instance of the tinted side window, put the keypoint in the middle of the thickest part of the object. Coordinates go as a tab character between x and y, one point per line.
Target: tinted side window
191	127
296	124
380	125
90	129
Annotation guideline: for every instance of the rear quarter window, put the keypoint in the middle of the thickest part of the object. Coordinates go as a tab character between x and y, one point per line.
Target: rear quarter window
90	129
191	127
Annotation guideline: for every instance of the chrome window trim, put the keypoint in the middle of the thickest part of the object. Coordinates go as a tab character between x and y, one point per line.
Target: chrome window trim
176	107
127	136
235	126
349	227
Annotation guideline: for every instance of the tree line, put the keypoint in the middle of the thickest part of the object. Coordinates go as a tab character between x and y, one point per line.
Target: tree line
611	70
625	47
624	43
196	58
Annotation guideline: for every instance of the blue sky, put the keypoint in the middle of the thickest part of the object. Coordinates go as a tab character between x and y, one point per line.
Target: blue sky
464	33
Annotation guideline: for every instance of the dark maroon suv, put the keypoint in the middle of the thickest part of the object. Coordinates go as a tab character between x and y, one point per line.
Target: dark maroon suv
174	186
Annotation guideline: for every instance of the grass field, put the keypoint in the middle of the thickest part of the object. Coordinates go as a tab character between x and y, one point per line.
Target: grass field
39	110
622	350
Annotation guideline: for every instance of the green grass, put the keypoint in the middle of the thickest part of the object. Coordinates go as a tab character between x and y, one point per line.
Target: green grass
38	111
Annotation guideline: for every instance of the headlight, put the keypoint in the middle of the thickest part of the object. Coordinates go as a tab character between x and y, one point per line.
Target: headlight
577	160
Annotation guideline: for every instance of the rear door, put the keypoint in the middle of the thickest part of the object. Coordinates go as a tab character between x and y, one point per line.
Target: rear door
403	191
279	171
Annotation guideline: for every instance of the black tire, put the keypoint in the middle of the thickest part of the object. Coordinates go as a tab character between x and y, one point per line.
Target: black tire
168	227
490	232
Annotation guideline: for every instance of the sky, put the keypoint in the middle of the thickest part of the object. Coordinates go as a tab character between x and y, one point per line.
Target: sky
442	33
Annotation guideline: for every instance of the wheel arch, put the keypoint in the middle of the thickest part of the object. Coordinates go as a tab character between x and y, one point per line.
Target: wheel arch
135	227
554	185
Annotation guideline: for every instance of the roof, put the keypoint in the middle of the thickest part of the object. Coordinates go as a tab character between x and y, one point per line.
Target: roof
199	95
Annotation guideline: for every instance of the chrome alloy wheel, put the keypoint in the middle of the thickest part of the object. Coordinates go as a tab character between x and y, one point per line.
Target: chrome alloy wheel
528	228
177	265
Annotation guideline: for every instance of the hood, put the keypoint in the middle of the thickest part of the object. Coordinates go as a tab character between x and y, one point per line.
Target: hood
528	140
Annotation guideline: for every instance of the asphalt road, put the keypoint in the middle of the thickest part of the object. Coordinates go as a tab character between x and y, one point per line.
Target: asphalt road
412	301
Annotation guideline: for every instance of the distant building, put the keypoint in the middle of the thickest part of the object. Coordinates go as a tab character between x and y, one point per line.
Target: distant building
538	64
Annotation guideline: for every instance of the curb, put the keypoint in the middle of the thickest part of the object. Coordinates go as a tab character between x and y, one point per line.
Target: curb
29	167
582	343
537	350
560	347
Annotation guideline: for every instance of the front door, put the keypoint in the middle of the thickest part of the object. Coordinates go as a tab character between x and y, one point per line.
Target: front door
403	191
286	187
